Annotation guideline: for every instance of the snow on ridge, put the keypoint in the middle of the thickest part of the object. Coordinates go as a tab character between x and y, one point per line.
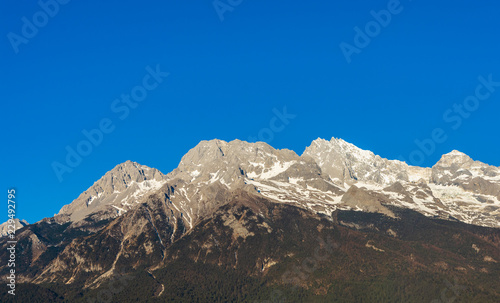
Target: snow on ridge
120	210
351	148
456	153
146	186
92	198
214	176
276	169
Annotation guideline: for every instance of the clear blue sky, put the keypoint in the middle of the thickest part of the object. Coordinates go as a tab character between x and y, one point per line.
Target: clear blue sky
226	77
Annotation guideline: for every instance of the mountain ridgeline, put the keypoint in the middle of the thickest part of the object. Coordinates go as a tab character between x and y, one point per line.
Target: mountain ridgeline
244	222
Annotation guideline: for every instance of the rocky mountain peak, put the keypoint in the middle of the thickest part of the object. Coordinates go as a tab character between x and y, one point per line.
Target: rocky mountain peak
128	179
131	171
458	169
224	193
344	162
226	161
218	150
17	223
316	180
350	148
454	157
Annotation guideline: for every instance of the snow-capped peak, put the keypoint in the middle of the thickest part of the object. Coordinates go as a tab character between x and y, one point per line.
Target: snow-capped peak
125	183
316	180
455	153
454	157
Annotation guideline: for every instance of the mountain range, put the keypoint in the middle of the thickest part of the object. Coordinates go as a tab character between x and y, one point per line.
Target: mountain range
248	215
456	187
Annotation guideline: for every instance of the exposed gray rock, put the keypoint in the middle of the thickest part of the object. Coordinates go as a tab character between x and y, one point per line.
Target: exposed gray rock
344	162
116	191
4	227
458	169
366	200
456	186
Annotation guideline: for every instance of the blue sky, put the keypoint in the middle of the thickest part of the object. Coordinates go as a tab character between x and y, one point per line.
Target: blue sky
229	72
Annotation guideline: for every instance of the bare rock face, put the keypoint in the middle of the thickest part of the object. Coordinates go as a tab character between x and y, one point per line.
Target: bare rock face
457	158
137	238
456	187
17	223
450	189
344	162
397	188
366	200
115	192
458	169
133	215
229	162
215	166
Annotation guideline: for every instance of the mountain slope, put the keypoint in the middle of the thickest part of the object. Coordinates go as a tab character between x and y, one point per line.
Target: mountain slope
250	211
116	192
255	249
4	227
456	187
